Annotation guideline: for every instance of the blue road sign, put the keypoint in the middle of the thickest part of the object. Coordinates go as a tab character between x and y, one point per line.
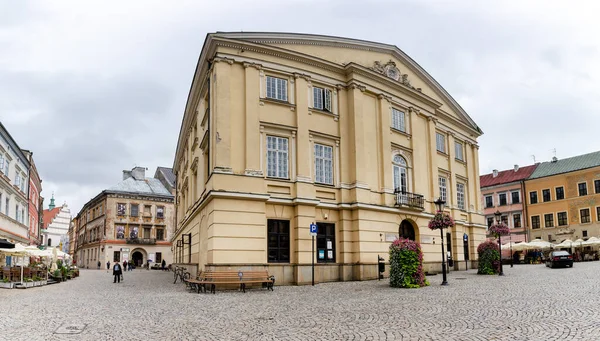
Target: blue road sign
313	229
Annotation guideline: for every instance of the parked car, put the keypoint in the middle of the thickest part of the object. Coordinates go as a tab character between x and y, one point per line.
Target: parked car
559	258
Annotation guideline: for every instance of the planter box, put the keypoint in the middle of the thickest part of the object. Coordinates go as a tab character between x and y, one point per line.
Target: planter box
37	283
44	282
28	284
6	285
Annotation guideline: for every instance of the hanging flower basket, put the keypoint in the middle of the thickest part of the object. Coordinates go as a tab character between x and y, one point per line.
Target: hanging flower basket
498	230
441	220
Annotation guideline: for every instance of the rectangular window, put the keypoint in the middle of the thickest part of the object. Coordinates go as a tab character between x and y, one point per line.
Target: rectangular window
160	234
560	193
535	222
1	163
596	186
443	189
17	213
546	195
160	212
135	210
277	88
502	199
533	197
582	189
440	142
562	218
6	164
325	243
490	222
148	210
120	229
549	220
516	220
322	99
277	157
584	233
489	201
278	247
585	215
504	220
23	184
460	195
323	164
398	120
116	256
158	259
120	209
458	150
515	197
18	180
147	231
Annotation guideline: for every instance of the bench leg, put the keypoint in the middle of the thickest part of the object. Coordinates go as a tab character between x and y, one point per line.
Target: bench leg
213	288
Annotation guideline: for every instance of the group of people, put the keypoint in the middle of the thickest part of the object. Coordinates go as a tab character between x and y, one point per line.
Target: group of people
118	269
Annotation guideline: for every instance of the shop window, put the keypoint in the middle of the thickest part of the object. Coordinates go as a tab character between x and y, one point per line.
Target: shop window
325	243
278	241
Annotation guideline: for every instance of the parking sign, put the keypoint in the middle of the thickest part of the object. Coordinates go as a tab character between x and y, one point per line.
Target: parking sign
313	229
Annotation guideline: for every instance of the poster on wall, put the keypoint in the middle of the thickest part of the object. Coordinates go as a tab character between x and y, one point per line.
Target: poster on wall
151	257
329	245
330	254
120	232
321	254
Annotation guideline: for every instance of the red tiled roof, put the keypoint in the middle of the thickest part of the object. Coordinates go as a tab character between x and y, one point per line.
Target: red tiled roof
506	176
49	215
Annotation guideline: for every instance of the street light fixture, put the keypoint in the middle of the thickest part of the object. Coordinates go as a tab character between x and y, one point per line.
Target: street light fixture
439	204
498	215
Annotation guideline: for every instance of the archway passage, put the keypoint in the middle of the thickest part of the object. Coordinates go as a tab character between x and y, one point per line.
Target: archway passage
138	258
406	230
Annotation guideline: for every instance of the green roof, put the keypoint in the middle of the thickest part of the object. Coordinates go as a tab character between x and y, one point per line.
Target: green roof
571	164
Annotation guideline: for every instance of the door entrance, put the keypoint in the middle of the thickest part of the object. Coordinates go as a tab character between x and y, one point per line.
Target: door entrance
406	230
138	258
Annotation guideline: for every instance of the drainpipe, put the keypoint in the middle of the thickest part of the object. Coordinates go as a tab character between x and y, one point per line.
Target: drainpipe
526	220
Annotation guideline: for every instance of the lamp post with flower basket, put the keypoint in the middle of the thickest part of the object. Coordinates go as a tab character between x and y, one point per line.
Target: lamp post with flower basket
441	221
498	230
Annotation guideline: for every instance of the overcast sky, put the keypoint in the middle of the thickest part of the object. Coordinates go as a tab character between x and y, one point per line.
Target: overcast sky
95	87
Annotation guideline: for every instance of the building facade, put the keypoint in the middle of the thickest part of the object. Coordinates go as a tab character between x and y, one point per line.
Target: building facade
284	130
56	220
14	190
36	202
503	192
564	199
131	221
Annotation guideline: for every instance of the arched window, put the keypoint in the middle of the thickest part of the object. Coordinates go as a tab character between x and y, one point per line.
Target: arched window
406	230
49	241
400	174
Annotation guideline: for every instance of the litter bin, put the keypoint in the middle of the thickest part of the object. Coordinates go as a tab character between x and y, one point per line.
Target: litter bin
381	266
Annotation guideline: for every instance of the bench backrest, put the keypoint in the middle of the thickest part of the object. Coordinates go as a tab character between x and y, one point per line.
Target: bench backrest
230	276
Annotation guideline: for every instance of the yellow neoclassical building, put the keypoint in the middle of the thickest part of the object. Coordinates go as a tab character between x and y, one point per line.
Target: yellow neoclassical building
282	130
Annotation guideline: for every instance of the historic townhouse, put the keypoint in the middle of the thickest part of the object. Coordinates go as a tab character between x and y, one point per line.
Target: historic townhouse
503	192
36	202
283	130
131	221
564	199
14	190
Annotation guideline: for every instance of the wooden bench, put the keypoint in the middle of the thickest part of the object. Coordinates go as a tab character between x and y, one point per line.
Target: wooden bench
212	278
195	283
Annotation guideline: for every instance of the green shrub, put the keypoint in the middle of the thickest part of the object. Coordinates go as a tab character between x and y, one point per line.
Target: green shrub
406	264
489	258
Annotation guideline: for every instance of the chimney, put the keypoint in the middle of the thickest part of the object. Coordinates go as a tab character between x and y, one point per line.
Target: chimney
139	173
554	159
126	174
495	173
516	168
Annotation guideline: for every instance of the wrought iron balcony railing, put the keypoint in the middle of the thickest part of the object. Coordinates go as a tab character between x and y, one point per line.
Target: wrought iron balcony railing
141	241
408	199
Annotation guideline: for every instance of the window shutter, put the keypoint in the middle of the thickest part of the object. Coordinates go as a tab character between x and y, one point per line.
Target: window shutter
328	100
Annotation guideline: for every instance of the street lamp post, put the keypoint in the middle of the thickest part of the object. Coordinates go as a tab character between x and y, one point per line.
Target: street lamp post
511	253
498	215
439	204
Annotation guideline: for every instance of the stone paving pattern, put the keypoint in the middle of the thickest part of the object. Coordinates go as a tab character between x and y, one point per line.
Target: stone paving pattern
531	302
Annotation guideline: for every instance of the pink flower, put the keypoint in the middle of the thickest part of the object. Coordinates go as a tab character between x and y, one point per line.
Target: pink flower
499	230
441	220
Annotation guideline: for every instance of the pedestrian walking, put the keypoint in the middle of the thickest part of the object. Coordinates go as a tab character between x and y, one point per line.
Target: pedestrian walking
99	264
117	272
163	264
124	265
107	266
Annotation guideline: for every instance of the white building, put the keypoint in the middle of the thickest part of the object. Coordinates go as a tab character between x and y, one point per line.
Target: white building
56	224
14	190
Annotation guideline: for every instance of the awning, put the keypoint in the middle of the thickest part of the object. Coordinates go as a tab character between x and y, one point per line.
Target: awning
5	244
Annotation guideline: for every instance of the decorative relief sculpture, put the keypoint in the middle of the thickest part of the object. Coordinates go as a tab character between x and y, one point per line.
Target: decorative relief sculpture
391	71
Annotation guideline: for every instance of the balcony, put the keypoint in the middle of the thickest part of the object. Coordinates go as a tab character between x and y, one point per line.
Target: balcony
141	241
407	199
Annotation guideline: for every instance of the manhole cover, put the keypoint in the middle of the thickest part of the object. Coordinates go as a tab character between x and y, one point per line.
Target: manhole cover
70	329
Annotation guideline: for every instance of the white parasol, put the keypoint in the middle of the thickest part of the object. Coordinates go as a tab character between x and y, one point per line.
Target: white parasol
567	244
540	244
592	242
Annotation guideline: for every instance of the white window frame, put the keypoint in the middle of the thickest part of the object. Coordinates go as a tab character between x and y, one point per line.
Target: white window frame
18	180
485	200
6	167
2	160
443	185
460	195
590	215
539	221
399	120
279	155
587	192
400	173
520	220
537	196
323	164
567	218
459	149
440	142
277	88
500	201
322	99
553	220
519	194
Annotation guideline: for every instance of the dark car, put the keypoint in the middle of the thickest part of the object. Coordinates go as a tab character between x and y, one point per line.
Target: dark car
559	258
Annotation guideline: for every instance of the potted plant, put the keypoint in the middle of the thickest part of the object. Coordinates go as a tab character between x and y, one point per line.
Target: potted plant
37	281
6	283
57	275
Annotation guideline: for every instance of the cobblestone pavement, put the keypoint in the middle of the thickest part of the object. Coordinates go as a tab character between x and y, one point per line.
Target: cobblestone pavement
531	302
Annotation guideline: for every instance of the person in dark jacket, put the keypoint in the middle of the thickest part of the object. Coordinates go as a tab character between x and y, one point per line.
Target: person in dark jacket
163	264
107	266
124	265
117	272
